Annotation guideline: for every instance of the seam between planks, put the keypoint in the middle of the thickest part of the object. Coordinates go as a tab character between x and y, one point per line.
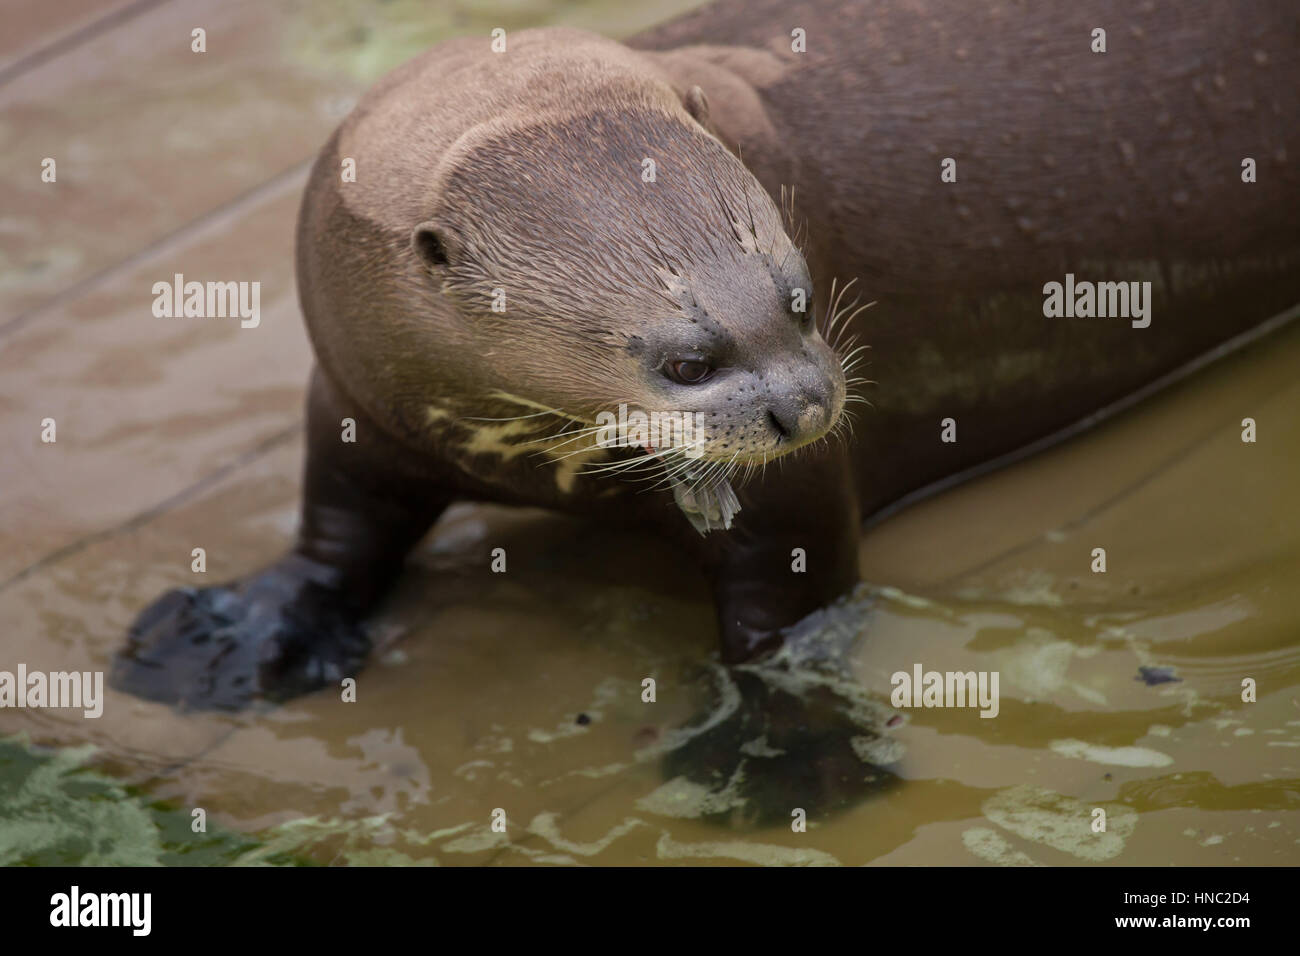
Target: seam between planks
167	504
70	41
226	211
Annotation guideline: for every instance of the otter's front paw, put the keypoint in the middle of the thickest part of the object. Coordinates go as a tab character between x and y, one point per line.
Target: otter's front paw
224	647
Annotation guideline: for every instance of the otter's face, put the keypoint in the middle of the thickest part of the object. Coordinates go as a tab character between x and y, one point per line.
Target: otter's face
744	352
628	260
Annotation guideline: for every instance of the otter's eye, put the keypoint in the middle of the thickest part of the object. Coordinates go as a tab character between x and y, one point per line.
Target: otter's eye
688	372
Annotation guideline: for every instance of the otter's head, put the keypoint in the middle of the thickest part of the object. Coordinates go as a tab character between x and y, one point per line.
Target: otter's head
633	261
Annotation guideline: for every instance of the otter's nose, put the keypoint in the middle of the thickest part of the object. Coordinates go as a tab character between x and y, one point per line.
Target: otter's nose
800	418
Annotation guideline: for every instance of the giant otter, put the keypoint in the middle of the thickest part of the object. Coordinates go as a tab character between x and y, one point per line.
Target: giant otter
539	236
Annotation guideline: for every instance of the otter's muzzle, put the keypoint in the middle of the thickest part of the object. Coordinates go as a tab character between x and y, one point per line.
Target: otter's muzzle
801	418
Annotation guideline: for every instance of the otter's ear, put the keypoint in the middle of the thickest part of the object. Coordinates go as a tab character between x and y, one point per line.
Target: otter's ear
434	245
697	105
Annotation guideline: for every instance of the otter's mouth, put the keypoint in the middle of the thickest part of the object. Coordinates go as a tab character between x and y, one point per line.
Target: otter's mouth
701	488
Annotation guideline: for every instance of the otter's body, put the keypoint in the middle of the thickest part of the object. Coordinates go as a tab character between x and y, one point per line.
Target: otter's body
1123	165
502	271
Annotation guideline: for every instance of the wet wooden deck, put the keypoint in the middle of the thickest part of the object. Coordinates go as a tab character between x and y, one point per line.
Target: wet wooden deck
171	433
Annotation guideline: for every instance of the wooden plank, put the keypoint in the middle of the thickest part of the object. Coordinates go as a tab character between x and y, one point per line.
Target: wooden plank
35	30
148	136
145	407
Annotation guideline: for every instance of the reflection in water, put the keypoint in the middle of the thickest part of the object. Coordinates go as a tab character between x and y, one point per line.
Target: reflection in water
793	733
